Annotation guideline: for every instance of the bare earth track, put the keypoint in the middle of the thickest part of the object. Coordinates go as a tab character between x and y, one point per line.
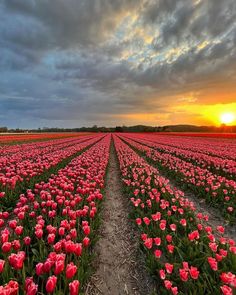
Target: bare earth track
120	269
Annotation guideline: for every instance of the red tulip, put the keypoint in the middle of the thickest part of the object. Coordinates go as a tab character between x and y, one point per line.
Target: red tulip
162	226
86	230
143	236
157	253
183	275
2	194
13	286
71	270
74	287
169	267
174	290
226	290
232	249
162	274
148	243
19	230
30	287
193	235
167	284
12	224
194	273
156	216
27	241
48	265
86	241
61	231
16	245
219	257
169	238
28	282
78	249
227	278
170	248
213	263
59	267
185	265
2	262
39	233
213	246
157	241
32	290
4	237
17	260
51	284
6	247
39	269
183	222
173	227
221	229
51	238
146	220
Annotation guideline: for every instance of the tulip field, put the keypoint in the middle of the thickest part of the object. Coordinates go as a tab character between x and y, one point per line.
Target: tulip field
12	138
52	192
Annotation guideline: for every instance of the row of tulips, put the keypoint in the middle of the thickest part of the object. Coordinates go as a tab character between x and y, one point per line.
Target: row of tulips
217	165
28	137
220	147
215	189
46	241
16	174
182	251
214	135
32	161
22	151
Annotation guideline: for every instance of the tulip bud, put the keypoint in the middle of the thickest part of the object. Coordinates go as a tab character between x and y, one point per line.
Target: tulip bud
74	287
2	262
39	269
71	270
86	241
51	284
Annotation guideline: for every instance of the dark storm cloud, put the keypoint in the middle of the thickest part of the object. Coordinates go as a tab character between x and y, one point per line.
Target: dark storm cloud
185	19
219	17
91	59
156	10
73	23
97	70
193	69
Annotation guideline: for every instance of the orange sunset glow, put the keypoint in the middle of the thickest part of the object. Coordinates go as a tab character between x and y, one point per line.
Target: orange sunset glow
227	118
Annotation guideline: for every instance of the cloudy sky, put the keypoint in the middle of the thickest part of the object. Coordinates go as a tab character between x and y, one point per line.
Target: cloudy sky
70	63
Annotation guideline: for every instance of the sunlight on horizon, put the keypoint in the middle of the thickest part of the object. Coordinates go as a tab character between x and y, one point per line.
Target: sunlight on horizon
227	118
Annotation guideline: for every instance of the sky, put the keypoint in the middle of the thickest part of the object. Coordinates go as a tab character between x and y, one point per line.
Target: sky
73	63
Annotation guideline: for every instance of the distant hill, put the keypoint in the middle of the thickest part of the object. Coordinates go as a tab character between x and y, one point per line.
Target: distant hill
193	128
176	128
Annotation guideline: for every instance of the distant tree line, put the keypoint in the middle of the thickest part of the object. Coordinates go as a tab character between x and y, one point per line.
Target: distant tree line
3	129
136	128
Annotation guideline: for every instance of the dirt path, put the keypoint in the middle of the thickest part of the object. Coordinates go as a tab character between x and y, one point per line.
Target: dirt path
120	269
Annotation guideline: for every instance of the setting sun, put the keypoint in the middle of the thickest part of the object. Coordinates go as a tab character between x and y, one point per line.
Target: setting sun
227	118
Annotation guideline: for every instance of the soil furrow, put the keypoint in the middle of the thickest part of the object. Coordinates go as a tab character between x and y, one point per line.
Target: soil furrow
119	267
